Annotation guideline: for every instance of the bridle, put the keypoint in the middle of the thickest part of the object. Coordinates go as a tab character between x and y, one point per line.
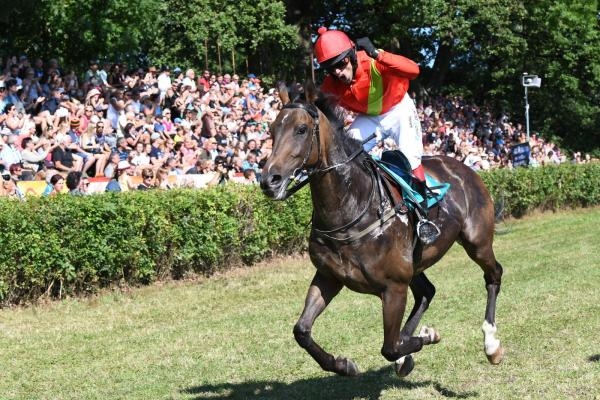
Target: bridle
302	175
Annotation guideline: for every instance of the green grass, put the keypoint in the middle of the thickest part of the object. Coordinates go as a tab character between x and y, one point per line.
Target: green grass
230	337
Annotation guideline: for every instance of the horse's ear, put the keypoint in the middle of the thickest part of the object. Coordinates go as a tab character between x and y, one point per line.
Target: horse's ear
310	91
283	93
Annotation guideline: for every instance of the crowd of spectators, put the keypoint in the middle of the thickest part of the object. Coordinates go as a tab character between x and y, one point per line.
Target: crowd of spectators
118	121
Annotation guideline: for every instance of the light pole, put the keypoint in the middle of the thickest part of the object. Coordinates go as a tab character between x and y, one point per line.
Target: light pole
529	81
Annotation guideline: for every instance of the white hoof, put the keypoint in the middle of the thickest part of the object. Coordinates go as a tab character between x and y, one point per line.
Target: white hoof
493	350
430	334
404	366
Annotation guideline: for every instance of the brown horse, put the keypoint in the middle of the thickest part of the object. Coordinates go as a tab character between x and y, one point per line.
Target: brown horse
363	237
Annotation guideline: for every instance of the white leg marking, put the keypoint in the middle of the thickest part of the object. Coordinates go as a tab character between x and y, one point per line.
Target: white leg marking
400	363
489	338
427	332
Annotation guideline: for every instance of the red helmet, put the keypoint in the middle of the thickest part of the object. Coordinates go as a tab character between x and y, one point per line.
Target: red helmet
332	46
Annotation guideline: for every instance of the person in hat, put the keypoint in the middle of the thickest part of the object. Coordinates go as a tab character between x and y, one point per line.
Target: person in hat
121	180
379	96
12	95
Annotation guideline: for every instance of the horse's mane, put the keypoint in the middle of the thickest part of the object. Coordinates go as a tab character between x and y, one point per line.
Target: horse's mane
334	114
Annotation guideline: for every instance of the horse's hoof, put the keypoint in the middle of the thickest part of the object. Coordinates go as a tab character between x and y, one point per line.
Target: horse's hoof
404	366
497	357
346	367
431	334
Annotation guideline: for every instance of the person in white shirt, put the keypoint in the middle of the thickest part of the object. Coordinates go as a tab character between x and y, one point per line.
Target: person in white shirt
164	81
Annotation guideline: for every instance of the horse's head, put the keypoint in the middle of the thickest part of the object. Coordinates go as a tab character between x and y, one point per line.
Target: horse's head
296	142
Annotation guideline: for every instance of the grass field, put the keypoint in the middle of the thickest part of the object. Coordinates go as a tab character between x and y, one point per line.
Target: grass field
230	337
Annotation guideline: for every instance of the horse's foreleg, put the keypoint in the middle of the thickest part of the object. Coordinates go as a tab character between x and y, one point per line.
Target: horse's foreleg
322	289
395	346
423	292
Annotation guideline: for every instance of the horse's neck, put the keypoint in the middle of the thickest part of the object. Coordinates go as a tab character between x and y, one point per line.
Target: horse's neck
341	194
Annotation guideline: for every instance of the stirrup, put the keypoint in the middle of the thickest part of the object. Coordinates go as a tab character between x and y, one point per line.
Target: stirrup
427	231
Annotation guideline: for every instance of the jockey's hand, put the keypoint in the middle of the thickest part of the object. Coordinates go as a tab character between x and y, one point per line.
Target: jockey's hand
378	136
365	44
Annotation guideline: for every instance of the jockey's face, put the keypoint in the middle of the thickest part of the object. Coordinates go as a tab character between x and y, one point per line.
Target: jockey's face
342	70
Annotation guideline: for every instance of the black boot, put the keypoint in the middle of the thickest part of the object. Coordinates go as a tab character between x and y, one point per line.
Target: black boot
427	231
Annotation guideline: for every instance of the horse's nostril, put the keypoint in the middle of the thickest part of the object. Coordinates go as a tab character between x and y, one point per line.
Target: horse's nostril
275	179
270	181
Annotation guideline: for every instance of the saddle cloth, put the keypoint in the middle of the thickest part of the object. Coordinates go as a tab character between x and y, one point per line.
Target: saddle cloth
398	167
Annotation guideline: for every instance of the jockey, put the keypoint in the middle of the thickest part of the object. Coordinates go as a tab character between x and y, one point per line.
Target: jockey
374	84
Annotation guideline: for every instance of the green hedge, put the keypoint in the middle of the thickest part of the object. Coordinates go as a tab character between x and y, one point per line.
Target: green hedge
523	190
71	245
68	245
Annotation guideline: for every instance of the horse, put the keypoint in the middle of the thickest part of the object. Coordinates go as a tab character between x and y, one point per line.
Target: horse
362	235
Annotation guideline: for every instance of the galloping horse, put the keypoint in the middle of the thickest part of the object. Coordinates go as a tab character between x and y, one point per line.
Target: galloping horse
360	240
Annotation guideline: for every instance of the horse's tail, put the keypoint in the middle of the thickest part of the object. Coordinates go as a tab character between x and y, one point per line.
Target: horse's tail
501	214
499	207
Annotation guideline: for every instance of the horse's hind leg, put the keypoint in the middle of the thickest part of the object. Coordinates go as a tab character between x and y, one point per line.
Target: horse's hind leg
322	289
483	255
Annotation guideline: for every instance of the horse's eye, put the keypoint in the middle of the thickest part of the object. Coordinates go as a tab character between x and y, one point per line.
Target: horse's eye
302	129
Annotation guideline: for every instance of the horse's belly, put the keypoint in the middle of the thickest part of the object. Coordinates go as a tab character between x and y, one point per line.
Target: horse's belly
363	271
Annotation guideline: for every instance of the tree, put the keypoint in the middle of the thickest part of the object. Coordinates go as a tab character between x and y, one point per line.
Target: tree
77	31
226	34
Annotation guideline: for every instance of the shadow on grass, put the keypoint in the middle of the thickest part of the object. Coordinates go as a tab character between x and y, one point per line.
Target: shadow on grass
594	358
367	385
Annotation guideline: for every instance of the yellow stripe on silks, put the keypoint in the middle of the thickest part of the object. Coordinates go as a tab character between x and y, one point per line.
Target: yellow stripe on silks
375	104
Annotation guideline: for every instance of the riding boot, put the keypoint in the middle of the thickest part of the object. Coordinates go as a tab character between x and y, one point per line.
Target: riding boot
427	231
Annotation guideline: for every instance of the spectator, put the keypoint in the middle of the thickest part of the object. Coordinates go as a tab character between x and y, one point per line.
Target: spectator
111	166
14	119
250	163
57	183
34	154
121	180
125	172
74	183
162	179
92	78
10	153
9	189
221	174
140	158
147	179
250	177
63	156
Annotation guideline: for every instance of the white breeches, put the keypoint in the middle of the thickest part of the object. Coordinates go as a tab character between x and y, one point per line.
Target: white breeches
400	123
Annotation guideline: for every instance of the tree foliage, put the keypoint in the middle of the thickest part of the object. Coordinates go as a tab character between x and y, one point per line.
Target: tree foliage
477	48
